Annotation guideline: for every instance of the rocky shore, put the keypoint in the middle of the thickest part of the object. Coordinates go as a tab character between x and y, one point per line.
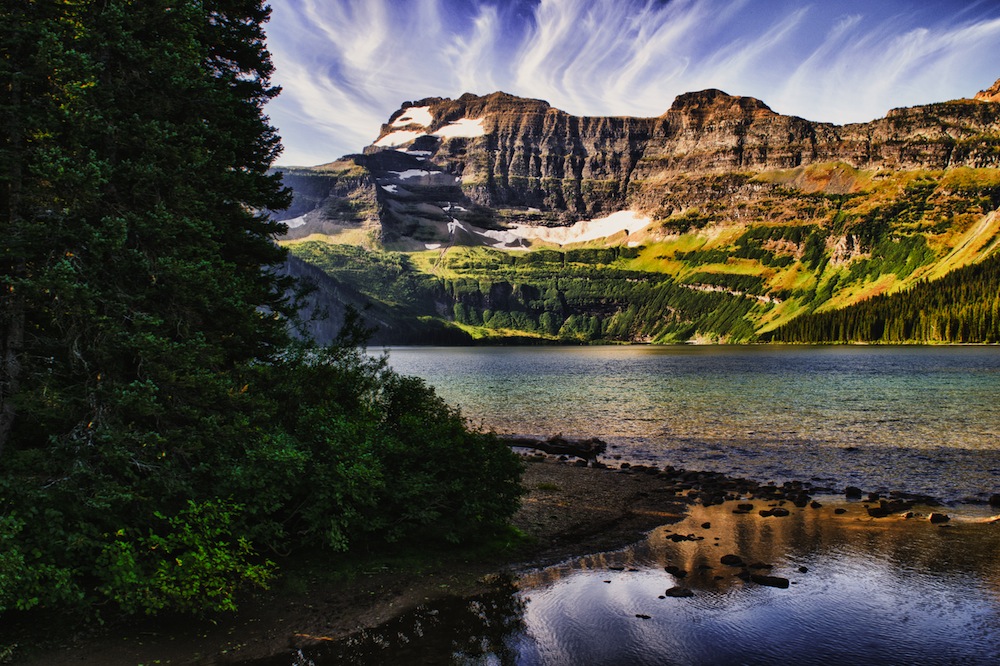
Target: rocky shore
569	509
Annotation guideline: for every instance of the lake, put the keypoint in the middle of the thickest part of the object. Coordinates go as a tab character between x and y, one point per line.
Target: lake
920	419
859	590
889	592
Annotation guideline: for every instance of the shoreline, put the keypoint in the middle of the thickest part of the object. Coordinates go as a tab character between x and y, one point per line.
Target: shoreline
569	510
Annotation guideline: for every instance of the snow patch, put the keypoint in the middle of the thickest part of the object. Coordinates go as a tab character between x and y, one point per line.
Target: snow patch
411	173
432	246
421	155
398	138
586	230
391	189
295	221
503	238
415	115
468	128
451	207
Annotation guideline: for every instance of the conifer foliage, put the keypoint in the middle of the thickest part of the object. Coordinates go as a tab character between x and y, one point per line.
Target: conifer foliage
960	307
156	435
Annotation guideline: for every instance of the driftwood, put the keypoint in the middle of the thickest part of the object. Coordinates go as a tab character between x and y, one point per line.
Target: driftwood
587	449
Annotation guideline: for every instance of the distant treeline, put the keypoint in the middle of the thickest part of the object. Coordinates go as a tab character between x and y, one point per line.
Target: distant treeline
962	306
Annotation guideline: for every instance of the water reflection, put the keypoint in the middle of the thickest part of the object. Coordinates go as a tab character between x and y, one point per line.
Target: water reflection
860	591
485	629
920	419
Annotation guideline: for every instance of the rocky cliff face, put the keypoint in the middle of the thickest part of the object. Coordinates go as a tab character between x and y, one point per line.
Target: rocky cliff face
718	220
463	171
991	94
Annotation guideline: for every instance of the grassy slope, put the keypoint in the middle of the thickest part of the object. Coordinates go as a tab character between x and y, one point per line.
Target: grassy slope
783	257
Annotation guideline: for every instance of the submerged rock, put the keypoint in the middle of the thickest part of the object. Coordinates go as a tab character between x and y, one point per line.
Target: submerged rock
679	593
770	581
777	512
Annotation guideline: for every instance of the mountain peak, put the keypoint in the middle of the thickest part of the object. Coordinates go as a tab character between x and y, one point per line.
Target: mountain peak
991	94
713	101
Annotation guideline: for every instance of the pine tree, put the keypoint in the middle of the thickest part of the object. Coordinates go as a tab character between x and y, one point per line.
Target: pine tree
158	428
137	294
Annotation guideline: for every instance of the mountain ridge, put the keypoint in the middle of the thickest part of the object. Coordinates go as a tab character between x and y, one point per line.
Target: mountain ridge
795	215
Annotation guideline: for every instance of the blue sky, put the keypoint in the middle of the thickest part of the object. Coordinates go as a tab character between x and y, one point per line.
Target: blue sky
346	65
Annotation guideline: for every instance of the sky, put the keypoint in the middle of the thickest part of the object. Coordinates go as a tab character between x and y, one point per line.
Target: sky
346	65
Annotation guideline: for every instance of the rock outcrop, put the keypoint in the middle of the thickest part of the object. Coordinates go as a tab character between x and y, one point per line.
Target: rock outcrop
991	94
465	171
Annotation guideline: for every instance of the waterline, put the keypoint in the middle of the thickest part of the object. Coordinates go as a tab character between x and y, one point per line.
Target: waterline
921	419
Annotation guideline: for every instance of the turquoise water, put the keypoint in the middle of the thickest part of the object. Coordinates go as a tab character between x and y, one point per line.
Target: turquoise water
861	591
920	419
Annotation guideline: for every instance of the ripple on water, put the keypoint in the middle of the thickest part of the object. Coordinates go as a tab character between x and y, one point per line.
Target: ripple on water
882	592
751	411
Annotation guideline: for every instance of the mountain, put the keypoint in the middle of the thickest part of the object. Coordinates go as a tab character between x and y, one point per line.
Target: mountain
719	220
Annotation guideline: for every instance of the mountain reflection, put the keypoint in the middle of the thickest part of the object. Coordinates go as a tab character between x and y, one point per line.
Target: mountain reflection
859	590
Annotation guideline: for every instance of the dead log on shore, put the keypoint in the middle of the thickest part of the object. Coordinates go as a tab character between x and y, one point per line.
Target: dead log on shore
587	449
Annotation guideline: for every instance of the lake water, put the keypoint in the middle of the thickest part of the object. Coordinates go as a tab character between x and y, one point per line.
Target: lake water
890	592
919	419
862	591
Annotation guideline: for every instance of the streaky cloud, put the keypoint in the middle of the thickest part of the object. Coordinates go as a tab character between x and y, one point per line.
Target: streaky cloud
345	65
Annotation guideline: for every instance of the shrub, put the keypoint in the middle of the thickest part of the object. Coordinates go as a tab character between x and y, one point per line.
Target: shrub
193	563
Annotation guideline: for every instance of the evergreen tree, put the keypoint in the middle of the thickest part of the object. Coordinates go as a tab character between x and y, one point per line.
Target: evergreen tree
135	289
157	426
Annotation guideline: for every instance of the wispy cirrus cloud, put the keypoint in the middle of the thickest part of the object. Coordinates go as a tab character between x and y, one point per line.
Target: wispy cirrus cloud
345	65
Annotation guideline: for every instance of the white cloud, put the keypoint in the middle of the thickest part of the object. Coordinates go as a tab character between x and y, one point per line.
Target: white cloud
346	65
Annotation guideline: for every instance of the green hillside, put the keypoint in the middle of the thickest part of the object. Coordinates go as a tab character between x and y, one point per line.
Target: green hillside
963	306
766	250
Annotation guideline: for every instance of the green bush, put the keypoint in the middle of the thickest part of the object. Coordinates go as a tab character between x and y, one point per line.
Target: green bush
380	458
26	581
192	562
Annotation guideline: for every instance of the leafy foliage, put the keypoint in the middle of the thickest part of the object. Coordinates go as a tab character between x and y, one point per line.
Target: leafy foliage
196	565
159	430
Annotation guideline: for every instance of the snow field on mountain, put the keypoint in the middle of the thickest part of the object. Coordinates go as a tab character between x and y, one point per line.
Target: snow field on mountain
398	138
585	230
468	128
417	115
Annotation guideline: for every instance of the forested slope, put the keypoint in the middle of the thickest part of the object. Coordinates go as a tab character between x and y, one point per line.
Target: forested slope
962	306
